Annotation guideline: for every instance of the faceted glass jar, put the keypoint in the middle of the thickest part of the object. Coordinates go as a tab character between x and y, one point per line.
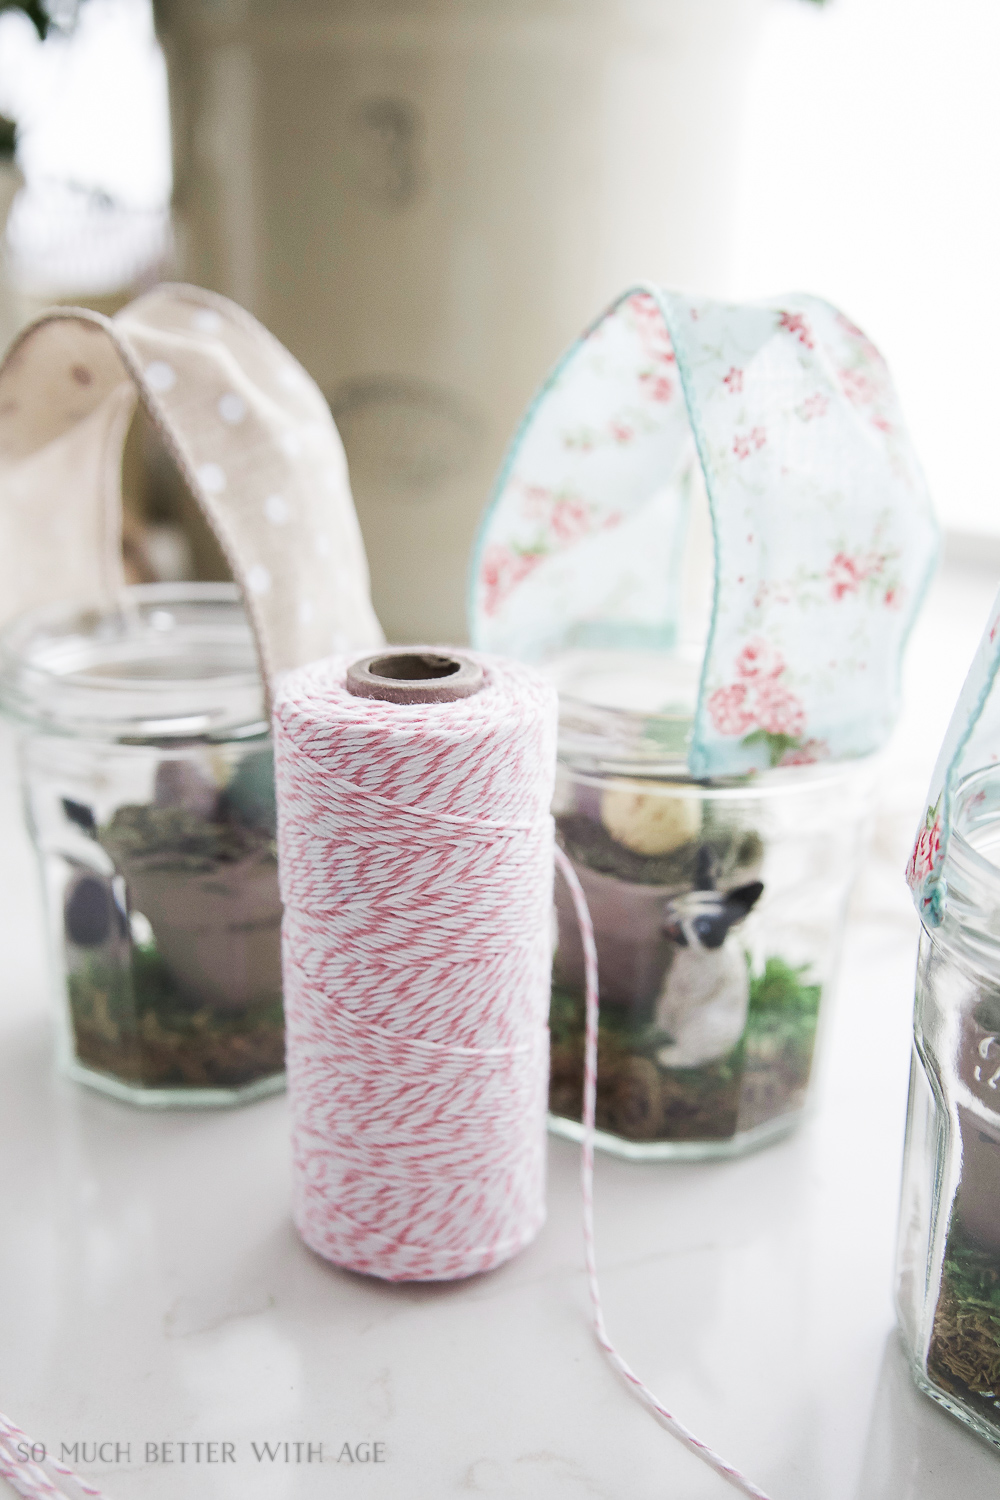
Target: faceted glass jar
149	791
948	1260
718	909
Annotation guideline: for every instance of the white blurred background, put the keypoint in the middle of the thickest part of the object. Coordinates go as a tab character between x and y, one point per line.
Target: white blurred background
93	145
869	172
871	175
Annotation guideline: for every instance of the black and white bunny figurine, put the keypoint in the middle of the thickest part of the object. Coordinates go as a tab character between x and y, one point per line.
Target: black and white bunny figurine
703	1002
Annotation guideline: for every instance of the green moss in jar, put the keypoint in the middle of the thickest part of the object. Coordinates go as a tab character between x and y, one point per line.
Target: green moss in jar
964	1353
764	1076
180	985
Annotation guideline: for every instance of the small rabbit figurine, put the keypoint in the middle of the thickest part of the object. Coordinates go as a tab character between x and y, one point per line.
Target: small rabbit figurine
703	1002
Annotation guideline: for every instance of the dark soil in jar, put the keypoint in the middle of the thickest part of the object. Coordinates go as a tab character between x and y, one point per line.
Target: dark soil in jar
763	1078
174	967
964	1353
128	1023
645	858
587	842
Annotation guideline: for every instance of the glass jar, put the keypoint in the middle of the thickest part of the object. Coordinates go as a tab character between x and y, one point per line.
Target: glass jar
948	1261
149	790
718	908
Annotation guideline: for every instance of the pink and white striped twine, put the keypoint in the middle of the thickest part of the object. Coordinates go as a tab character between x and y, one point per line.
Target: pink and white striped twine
416	849
42	1479
416	858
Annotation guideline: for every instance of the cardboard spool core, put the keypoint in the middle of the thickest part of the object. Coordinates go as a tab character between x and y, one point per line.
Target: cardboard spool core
402	676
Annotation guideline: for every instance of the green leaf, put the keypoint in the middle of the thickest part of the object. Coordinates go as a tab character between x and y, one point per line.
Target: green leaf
781	988
777	744
36	14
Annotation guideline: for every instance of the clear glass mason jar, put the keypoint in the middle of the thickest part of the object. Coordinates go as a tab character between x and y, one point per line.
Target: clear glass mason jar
948	1260
149	791
718	908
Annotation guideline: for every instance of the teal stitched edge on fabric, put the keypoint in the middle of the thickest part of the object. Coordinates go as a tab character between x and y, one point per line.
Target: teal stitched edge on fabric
703	758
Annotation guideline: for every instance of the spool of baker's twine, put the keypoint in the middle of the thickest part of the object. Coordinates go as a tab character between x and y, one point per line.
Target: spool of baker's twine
416	858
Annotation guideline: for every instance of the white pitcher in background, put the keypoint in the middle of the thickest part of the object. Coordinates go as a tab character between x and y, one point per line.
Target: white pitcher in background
426	201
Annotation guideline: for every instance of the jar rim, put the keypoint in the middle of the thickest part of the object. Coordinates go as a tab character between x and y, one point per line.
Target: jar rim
971	917
601	739
969	789
168	660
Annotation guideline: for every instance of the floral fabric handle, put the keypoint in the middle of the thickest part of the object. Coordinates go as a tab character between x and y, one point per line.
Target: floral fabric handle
824	534
970	744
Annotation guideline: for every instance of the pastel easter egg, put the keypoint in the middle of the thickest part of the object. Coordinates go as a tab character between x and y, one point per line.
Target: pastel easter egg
649	821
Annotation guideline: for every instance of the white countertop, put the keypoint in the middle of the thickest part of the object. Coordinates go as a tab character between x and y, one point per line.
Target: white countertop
153	1290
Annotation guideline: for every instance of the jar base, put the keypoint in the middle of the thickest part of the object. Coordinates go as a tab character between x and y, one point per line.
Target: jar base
176	1098
740	1144
923	1383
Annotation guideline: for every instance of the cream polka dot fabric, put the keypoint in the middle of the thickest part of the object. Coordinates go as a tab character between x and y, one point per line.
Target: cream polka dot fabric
253	438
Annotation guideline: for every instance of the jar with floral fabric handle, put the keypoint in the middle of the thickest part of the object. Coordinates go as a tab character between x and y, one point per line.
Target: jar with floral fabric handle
142	713
948	1258
714	789
718	907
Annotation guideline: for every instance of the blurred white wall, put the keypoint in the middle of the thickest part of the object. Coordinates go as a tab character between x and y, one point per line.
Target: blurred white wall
94	147
92	105
871	175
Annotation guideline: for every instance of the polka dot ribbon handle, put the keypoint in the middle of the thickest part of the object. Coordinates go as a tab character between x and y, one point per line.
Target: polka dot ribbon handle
250	431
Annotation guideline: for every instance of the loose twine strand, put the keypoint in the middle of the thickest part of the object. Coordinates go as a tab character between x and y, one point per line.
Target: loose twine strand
46	1479
637	1386
409	898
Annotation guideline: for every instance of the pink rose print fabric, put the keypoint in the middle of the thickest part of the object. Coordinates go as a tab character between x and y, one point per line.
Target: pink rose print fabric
824	532
971	745
763	710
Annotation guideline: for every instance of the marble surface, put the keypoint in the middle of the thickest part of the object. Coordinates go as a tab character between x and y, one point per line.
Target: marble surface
153	1291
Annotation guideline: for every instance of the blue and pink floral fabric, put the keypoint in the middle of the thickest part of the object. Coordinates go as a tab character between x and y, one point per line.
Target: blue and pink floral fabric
824	533
971	743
